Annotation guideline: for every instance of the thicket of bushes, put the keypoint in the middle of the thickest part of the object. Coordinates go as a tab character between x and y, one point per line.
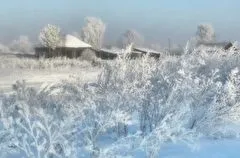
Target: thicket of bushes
135	105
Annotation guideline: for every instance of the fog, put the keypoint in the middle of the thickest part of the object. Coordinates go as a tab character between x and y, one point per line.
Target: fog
157	21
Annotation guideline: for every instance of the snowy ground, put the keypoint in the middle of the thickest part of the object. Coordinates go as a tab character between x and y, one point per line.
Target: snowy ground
36	72
35	78
204	149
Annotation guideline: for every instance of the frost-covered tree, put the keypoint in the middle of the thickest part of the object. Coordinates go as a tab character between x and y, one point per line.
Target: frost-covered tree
50	36
4	48
131	36
22	45
205	33
93	31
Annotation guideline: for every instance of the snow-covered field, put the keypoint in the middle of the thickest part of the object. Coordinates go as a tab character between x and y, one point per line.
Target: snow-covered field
36	72
175	107
35	78
203	149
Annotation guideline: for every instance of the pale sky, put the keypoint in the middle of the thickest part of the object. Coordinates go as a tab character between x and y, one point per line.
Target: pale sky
157	20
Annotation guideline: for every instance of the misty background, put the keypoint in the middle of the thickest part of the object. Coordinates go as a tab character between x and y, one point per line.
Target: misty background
156	20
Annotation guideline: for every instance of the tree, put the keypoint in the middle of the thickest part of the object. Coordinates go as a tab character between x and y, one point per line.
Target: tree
205	33
93	31
4	49
130	36
50	36
22	44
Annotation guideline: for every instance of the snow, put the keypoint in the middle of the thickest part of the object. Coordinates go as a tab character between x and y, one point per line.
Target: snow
135	50
170	138
35	78
113	50
74	42
204	149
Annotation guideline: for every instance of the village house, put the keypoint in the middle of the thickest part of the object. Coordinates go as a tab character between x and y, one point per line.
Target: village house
71	47
133	53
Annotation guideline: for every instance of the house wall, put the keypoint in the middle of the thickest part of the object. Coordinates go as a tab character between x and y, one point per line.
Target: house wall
59	52
105	55
45	52
142	52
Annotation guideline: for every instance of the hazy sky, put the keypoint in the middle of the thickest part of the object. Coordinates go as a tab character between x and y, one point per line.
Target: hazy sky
157	20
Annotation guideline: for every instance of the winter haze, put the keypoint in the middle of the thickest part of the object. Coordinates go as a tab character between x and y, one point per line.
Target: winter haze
157	20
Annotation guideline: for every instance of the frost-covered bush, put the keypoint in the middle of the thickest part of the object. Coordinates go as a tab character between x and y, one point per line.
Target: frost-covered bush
194	81
33	125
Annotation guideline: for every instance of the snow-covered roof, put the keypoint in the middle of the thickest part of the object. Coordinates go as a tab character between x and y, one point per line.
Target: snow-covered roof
113	50
147	50
74	42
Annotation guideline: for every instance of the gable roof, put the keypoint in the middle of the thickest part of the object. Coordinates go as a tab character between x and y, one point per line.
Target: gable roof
74	42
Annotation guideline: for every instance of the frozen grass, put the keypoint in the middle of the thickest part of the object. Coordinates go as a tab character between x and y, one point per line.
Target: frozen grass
11	61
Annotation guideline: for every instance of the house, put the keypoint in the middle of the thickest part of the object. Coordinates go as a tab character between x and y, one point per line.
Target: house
71	47
139	52
130	51
113	52
107	53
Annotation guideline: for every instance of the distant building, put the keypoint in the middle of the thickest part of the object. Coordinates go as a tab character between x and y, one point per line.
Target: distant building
220	45
131	52
139	52
108	53
72	47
